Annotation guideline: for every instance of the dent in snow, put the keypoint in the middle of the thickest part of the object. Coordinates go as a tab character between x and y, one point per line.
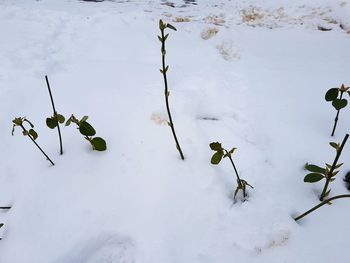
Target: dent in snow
105	248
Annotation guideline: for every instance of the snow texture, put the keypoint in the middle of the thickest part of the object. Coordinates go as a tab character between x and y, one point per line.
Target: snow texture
250	74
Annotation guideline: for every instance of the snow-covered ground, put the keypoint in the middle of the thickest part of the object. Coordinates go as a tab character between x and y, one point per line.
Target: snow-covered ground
250	74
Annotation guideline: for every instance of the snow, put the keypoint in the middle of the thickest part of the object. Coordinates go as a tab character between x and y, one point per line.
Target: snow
257	85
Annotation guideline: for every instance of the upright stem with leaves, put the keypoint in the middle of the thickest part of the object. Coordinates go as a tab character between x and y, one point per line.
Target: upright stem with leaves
32	135
56	119
329	176
162	39
337	103
329	172
220	153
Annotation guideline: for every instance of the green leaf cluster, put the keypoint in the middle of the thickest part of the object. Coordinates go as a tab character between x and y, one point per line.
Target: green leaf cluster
163	25
219	152
54	121
87	130
335	95
20	122
318	173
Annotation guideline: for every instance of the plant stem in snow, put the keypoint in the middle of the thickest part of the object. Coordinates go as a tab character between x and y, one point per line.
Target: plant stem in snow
37	145
328	178
166	91
55	115
320	204
336	117
234	167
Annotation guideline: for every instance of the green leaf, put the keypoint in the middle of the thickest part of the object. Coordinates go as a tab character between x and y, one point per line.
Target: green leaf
51	123
216	158
33	134
332	94
215	146
161	24
98	144
68	122
18	121
339	103
334	173
60	118
334	145
232	150
84	118
327	193
313	178
171	27
1	225
314	168
338	165
166	36
86	129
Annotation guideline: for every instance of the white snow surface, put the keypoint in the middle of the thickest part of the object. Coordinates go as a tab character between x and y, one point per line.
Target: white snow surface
258	84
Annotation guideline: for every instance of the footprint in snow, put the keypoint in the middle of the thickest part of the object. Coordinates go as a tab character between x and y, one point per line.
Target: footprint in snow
106	248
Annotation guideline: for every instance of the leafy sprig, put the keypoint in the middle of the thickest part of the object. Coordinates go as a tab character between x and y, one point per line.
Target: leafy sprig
31	133
328	172
221	153
335	95
55	120
162	38
89	132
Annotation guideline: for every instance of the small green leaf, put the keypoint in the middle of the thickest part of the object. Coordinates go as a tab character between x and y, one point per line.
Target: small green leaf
314	168
327	193
339	103
313	178
215	146
98	144
171	27
51	123
161	24
338	165
25	133
86	129
334	145
85	118
33	134
18	121
334	173
232	150
332	94
216	158
68	122
160	39
60	118
1	225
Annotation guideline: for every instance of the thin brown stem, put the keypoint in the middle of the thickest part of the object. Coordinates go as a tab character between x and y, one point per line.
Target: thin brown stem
166	93
319	205
37	145
337	116
55	115
234	167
